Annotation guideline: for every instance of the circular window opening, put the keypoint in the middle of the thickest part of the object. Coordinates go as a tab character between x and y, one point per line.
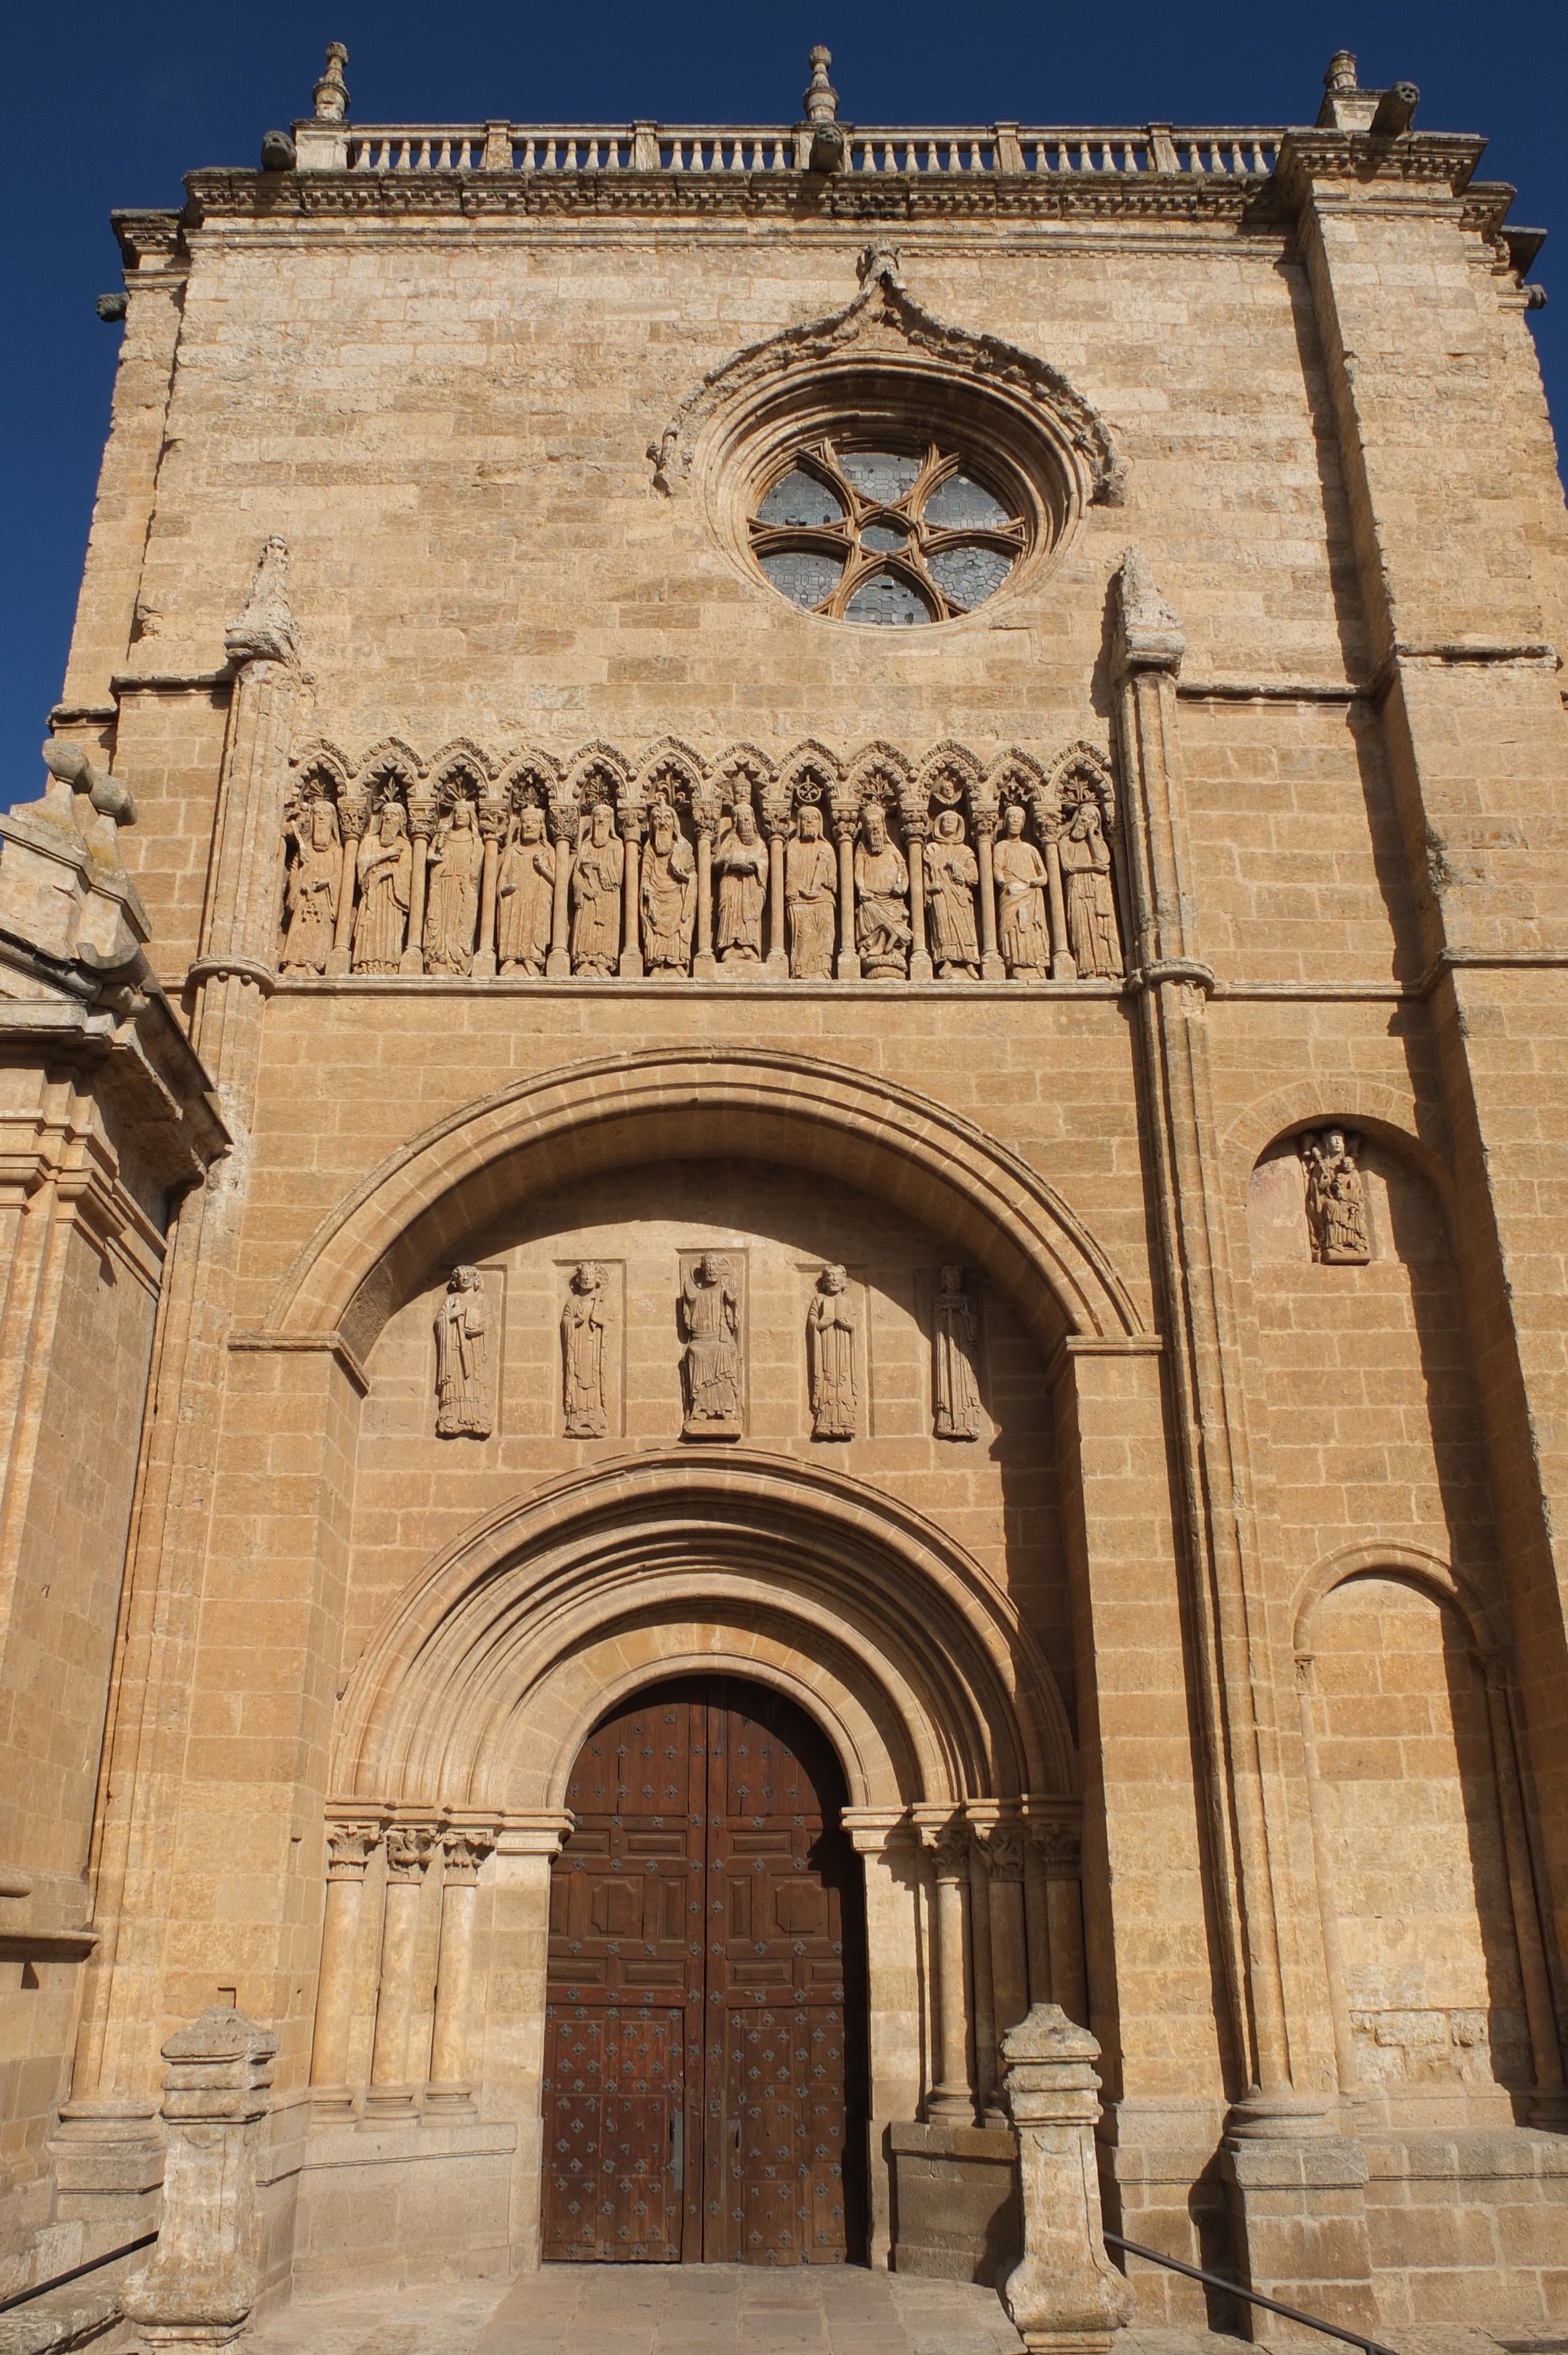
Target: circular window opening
897	535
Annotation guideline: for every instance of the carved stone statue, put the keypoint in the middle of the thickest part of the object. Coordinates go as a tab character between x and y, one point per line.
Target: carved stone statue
740	862
1023	933
315	876
829	1349
882	900
710	1327
465	1388
596	872
1336	1199
451	893
583	1322
1085	862
810	898
952	872
954	1389
386	866
524	895
669	895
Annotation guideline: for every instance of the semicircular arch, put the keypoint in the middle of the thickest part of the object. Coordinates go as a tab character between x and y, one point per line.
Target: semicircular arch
480	1686
425	1199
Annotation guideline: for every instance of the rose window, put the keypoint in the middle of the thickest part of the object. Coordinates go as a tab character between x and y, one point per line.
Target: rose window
887	535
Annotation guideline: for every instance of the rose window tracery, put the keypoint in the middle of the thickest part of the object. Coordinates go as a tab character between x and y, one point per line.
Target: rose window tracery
887	535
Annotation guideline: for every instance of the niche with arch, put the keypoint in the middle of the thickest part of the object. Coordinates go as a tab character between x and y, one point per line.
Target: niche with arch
1417	1885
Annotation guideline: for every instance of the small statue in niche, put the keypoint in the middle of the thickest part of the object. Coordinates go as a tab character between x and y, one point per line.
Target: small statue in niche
1336	1199
954	1391
525	894
596	872
740	862
1023	933
830	1351
452	898
385	869
882	900
810	896
710	1365
669	895
1085	862
465	1391
315	877
583	1322
952	872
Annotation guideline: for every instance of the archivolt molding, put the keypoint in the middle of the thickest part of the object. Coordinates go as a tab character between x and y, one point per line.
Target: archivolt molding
478	1163
886	328
1395	1556
1393	1116
481	1685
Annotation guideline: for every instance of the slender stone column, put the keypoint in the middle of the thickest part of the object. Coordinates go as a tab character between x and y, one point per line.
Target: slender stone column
948	1844
349	1850
1008	1939
776	814
492	817
448	2091
847	826
1550	2107
1065	2296
422	810
1328	1905
916	812
986	2096
353	818
706	815
629	819
409	1851
985	816
1048	826
564	834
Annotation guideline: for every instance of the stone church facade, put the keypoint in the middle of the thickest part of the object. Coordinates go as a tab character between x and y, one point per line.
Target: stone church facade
784	1144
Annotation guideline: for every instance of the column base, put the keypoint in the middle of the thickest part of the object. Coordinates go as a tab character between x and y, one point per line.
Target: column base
444	2102
631	965
338	961
333	2105
778	966
1296	2193
847	965
558	966
411	961
920	966
703	966
482	966
385	2104
992	968
956	2200
1064	968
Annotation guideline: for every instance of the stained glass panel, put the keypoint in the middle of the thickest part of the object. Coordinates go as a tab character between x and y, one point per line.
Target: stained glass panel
880	474
799	500
882	599
882	539
803	575
968	576
960	504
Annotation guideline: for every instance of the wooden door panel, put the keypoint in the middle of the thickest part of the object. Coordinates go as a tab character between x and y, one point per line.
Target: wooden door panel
697	2058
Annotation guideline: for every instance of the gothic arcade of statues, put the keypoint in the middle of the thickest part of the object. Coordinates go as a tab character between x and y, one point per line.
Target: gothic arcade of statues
878	868
783	1479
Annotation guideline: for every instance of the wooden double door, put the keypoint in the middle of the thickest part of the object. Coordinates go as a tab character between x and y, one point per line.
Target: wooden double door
704	2040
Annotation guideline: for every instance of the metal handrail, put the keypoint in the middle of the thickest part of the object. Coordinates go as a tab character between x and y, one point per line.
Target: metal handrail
58	2281
1252	2297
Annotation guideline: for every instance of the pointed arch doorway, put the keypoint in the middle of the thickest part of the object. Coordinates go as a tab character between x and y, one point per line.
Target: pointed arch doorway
704	2095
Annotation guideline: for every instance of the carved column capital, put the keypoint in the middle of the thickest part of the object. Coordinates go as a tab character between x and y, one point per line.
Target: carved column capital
350	1847
707	809
631	817
353	815
914	814
562	817
494	811
846	813
985	812
1045	810
1000	1847
949	1844
424	810
1060	1850
777	810
465	1849
410	1848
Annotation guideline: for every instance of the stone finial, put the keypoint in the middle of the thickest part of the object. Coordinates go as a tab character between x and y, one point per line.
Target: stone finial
264	630
1151	636
821	100
330	92
1340	75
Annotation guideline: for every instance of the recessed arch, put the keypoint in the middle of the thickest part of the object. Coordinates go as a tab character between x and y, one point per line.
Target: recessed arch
478	1688
1397	1558
1391	1115
480	1162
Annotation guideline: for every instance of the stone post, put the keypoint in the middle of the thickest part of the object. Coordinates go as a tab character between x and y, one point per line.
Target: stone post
353	818
449	2092
847	826
493	813
564	834
349	1850
422	808
408	1849
628	818
200	2285
1065	2296
985	816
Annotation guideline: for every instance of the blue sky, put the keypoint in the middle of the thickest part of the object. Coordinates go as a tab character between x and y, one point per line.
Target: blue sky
110	106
